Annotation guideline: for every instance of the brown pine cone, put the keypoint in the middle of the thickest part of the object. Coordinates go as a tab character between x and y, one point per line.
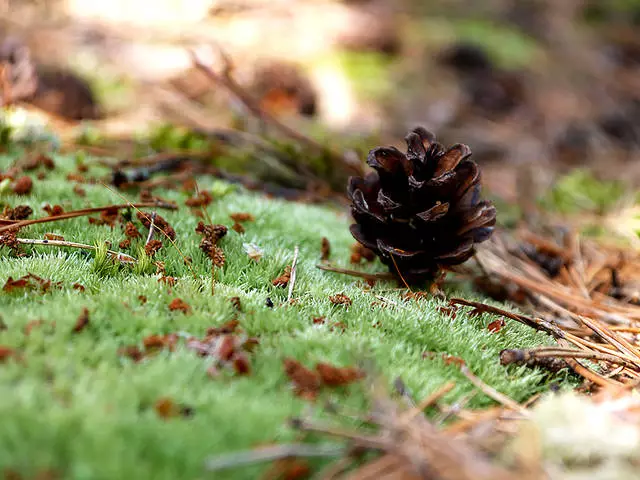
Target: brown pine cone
421	211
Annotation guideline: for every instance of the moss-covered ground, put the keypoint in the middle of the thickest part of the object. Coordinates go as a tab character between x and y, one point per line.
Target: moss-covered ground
71	404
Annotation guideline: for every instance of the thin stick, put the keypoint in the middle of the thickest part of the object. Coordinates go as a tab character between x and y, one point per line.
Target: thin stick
492	392
85	211
276	452
292	277
232	86
151	228
355	273
122	257
427	402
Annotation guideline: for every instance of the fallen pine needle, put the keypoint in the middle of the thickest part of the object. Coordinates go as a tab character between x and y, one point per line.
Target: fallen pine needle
292	278
492	392
121	257
275	452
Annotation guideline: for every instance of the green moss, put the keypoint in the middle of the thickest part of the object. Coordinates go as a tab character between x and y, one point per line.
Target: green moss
72	404
581	191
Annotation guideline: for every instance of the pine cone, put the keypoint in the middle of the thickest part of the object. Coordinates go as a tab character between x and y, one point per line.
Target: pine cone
421	211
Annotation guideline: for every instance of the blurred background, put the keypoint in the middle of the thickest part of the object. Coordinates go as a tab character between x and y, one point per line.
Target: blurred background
535	87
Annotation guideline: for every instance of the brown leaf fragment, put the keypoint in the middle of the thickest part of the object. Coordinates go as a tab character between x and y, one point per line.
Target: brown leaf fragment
241	364
142	299
28	328
53	236
226	348
159	223
40	160
124	244
282	280
9	239
54	210
306	383
359	252
338	376
166	408
242	217
289	469
152	247
170	281
82	322
202	199
159	342
235	302
79	191
23	186
30	282
79	287
340	299
131	231
319	320
21	212
325	249
107	217
6	353
179	304
496	325
238	228
225	328
131	351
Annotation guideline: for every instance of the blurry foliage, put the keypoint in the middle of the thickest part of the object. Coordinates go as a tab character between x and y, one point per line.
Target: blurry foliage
581	191
368	72
508	47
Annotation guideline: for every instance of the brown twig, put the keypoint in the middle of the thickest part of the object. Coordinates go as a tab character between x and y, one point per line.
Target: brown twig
83	212
356	273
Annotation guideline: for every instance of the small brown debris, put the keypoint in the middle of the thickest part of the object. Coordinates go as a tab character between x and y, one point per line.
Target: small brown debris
359	252
79	287
242	217
132	351
152	247
282	280
340	299
53	236
53	211
306	383
21	212
170	281
76	177
30	282
159	223
142	299
107	217
319	320
226	347
179	304
496	325
289	469
31	325
79	191
337	376
338	326
450	311
40	160
203	199
159	342
6	353
236	227
211	234
82	322
23	186
224	329
125	244
325	249
131	231
9	239
235	301
166	408
241	364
